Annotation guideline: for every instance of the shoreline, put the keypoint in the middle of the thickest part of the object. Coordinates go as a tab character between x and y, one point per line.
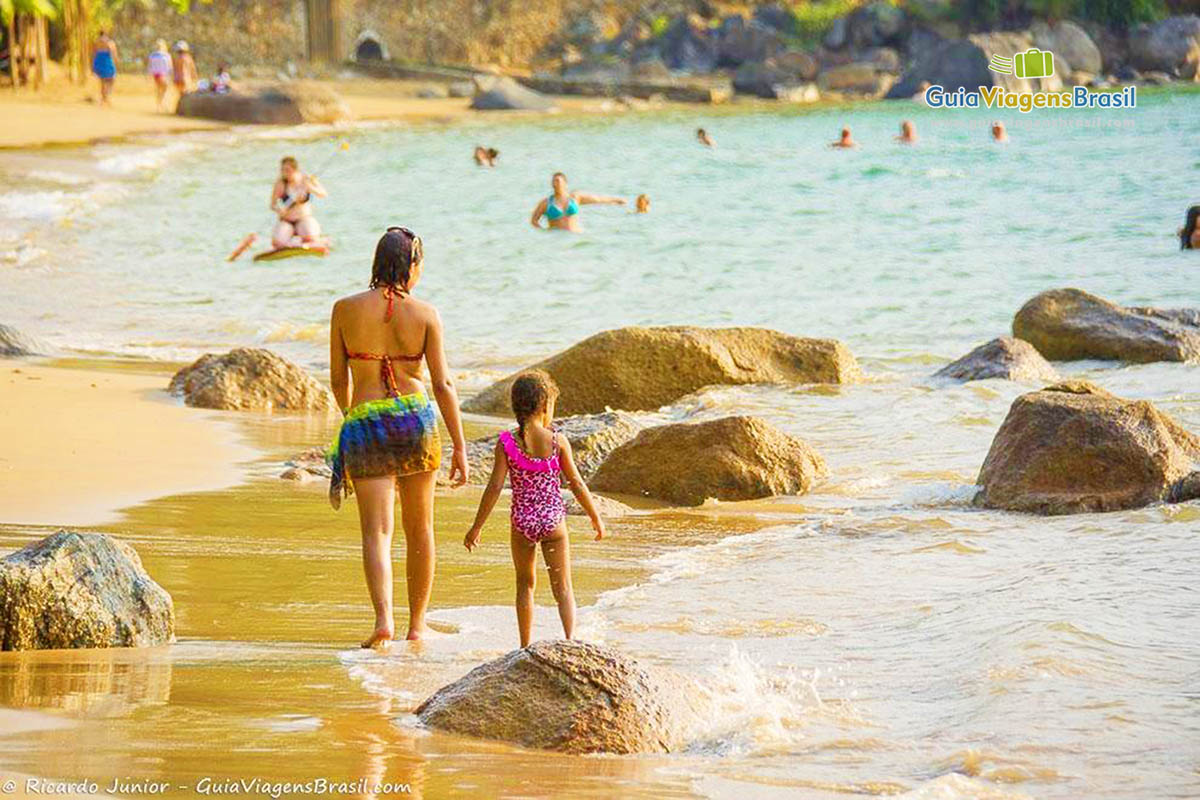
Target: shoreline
122	441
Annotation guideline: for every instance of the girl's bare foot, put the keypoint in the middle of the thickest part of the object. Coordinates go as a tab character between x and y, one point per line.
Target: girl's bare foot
417	634
382	637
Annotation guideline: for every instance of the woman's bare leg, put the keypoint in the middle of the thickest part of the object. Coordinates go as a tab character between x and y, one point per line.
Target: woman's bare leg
282	235
557	553
524	556
376	516
308	229
420	559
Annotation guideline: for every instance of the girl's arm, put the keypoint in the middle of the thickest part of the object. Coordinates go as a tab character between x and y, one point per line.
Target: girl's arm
538	212
315	187
339	366
277	195
446	396
578	487
585	199
490	495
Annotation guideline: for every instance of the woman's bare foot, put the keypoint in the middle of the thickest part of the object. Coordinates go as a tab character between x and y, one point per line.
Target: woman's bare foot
416	634
382	637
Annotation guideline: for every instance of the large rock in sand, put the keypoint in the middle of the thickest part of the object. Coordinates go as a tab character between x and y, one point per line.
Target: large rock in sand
643	369
1068	41
1003	357
288	104
1071	324
13	344
250	379
571	697
732	458
494	93
1073	448
81	590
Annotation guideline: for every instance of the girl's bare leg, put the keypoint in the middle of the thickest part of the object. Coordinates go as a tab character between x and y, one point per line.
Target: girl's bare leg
282	235
420	560
556	551
308	229
376	516
524	556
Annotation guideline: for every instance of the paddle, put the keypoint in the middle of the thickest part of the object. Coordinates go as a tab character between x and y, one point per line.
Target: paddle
251	238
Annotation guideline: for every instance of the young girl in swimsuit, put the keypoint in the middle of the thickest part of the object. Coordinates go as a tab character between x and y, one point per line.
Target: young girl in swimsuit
562	206
536	456
297	227
387	446
158	65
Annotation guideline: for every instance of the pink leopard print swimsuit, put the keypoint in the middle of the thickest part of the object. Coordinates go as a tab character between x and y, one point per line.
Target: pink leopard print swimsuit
537	503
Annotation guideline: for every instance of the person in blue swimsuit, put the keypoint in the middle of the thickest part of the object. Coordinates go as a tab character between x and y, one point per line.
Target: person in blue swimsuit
104	65
561	208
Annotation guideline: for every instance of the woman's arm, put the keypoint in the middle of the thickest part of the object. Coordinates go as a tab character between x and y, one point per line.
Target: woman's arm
578	487
585	199
446	396
490	494
539	211
339	365
277	190
314	186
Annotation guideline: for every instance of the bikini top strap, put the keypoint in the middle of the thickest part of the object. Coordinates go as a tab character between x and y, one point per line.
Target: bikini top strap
391	293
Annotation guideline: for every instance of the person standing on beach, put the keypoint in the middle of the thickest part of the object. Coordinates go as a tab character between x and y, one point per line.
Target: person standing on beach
562	206
183	68
388	445
158	65
104	65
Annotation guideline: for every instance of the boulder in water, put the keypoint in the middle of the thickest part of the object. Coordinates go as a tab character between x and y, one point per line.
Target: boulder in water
1071	324
73	590
1003	357
14	344
643	369
286	104
732	458
1073	448
571	697
250	379
494	93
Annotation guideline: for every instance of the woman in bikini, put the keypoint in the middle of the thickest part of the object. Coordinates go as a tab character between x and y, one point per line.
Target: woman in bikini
291	201
562	206
388	445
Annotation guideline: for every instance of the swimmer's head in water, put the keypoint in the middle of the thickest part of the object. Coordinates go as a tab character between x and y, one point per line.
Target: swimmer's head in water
1190	223
533	392
846	132
398	258
558	182
492	153
288	167
907	128
643	203
998	130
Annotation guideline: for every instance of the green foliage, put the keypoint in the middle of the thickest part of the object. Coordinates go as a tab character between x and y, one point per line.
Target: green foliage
39	8
1115	13
659	26
814	17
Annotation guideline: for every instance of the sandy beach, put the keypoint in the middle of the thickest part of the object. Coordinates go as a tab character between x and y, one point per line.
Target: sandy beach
118	440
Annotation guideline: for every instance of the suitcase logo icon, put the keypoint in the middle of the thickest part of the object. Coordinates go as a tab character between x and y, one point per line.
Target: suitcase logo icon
1033	63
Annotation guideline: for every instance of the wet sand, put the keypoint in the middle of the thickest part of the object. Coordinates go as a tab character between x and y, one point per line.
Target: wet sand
80	443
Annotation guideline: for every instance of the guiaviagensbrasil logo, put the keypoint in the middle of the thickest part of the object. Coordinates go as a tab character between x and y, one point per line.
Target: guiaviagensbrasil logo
1032	64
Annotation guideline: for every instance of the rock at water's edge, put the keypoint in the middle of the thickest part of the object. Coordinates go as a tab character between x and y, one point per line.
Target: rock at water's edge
250	379
1003	357
571	697
73	590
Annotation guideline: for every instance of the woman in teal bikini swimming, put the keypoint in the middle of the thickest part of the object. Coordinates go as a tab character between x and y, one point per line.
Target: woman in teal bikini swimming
561	208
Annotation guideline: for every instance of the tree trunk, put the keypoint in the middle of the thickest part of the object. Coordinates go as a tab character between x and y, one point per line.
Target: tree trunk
12	50
43	49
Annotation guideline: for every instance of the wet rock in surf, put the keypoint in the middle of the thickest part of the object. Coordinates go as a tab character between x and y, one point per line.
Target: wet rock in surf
250	379
643	369
608	508
592	438
571	697
1003	357
1074	448
290	104
14	344
1071	324
307	466
74	590
732	458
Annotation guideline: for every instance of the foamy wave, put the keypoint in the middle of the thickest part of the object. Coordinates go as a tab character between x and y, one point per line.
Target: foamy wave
960	787
288	332
129	161
36	206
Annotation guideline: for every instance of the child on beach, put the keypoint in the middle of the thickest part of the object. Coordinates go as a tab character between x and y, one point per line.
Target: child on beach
158	65
537	456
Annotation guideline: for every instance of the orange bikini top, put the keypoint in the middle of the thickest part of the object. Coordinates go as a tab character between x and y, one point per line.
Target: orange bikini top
385	361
